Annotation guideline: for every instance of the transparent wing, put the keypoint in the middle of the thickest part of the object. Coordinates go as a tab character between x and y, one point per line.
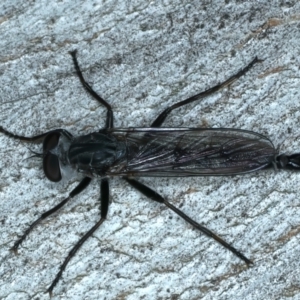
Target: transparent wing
191	152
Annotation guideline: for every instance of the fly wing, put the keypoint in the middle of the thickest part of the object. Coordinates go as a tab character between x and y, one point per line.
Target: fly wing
191	152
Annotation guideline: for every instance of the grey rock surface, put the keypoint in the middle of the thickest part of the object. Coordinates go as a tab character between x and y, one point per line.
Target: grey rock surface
142	56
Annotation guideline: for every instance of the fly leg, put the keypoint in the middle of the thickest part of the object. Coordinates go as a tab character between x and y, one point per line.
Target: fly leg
78	189
33	139
162	116
104	199
88	88
148	192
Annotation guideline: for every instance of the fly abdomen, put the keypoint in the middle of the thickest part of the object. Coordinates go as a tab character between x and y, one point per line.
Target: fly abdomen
290	162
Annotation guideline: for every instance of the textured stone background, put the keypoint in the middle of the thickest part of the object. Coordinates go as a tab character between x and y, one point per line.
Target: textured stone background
142	56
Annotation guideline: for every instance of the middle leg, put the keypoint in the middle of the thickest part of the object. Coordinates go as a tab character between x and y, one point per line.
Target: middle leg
104	198
89	89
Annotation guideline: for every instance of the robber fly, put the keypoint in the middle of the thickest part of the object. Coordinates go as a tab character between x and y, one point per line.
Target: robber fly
153	151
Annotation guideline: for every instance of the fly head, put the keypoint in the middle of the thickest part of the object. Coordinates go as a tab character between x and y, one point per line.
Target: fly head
51	165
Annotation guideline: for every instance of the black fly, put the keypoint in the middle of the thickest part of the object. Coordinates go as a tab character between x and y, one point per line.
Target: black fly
153	151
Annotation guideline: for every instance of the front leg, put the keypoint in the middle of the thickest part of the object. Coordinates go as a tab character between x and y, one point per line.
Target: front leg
78	189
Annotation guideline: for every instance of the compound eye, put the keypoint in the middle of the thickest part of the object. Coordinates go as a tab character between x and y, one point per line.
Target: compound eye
51	141
51	167
50	161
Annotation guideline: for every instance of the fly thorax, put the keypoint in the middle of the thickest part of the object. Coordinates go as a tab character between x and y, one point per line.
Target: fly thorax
94	153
